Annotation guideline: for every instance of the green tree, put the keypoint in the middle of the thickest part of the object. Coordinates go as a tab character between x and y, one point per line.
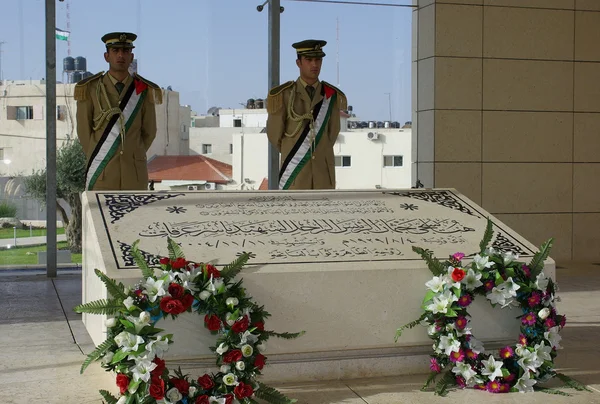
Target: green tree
70	182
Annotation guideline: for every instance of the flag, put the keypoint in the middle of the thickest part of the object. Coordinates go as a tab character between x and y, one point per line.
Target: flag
62	34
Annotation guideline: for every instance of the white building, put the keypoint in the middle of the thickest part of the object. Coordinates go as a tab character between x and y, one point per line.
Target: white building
23	125
364	159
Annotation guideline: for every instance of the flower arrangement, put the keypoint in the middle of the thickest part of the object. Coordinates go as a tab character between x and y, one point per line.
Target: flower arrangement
134	347
459	359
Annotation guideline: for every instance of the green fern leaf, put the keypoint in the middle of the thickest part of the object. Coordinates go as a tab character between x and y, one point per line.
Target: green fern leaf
116	291
441	389
551	391
231	270
174	250
410	325
537	263
285	335
434	265
97	353
572	383
487	236
102	306
249	400
429	380
271	395
110	399
147	272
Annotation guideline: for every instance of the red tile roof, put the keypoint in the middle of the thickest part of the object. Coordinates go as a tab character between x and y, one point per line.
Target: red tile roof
189	168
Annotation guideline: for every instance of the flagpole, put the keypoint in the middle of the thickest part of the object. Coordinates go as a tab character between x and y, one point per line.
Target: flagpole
51	138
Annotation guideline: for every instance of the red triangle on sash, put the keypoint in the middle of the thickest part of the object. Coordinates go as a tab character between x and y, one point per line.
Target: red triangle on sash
140	86
328	91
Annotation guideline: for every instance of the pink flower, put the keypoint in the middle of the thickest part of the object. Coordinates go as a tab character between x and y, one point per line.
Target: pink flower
457	356
526	270
563	321
510	378
549	323
534	299
470	354
465	300
493	386
504	388
506	352
528	319
461	322
489	285
434	365
458	256
460	381
480	387
522	339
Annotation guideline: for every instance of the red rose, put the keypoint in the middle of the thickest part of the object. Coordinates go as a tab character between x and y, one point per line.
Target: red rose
212	322
243	390
202	400
206	382
164	261
232	356
187	301
171	306
122	382
212	270
160	367
181	384
228	398
458	274
157	389
259	325
176	291
179	263
259	361
241	325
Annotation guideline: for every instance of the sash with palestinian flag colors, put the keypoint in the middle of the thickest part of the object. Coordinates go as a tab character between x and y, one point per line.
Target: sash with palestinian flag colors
106	148
302	150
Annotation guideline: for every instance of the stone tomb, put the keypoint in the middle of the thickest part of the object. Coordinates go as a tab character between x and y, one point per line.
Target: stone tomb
336	264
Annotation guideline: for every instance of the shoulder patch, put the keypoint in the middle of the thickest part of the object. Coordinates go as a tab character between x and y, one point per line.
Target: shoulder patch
275	97
342	97
80	92
154	89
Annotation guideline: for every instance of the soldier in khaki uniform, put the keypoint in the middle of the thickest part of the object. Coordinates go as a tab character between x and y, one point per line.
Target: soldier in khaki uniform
304	122
116	120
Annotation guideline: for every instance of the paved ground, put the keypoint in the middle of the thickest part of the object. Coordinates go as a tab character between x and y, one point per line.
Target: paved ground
43	344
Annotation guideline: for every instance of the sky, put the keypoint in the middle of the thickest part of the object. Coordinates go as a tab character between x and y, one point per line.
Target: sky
214	52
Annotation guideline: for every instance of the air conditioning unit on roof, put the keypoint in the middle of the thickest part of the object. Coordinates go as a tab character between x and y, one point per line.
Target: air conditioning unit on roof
372	136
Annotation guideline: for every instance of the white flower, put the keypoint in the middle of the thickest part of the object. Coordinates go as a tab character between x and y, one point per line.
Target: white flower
187	278
143	367
214	400
476	345
141	321
247	350
464	369
541	282
107	358
154	289
225	369
222	348
128	303
240	365
122	400
492	368
128	342
525	384
192	391
440	304
482	262
110	322
544	313
543	351
205	294
262	347
553	338
173	395
229	379
496	296
145	317
449	344
529	361
436	284
232	301
431	330
472	280
230	318
248	337
520	349
509	257
158	346
510	288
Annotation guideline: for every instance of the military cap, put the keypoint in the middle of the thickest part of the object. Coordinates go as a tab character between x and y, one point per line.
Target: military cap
119	40
310	48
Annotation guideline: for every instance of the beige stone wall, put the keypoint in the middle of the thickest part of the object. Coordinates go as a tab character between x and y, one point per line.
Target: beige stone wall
507	110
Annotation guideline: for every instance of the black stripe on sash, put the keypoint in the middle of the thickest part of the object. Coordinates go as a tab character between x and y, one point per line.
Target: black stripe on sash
303	135
110	125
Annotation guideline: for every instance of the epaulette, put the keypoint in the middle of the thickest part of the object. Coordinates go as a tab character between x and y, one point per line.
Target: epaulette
275	97
80	91
154	89
341	96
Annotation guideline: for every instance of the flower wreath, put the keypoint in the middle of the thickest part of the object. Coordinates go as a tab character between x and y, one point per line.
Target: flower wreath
134	347
505	282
